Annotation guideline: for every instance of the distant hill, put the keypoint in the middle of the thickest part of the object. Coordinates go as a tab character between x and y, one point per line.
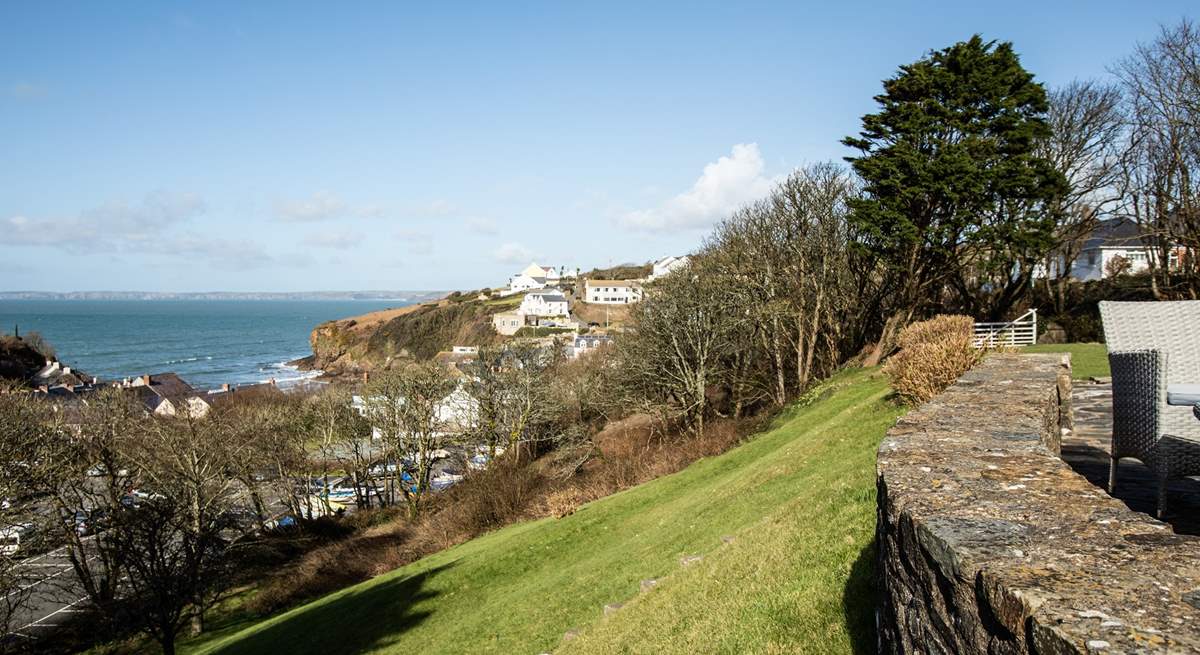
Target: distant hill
402	295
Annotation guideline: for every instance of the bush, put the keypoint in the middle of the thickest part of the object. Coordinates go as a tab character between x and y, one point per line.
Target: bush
933	354
36	341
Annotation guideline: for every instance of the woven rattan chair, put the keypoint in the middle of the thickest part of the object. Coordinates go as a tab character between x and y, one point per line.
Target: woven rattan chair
1154	351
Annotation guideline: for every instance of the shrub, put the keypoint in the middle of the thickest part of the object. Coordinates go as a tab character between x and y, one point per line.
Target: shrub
36	341
933	354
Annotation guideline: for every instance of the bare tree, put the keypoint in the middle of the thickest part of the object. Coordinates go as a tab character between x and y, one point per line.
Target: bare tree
88	476
791	269
77	461
682	337
174	564
1086	145
188	462
485	384
1161	83
23	422
414	414
529	406
336	429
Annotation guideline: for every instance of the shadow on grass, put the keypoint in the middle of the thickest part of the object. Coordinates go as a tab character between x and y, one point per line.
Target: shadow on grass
357	621
858	602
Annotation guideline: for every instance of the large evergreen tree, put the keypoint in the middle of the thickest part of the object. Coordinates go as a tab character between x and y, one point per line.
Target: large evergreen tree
956	202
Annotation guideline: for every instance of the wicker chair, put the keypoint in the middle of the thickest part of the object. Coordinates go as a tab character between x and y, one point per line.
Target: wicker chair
1154	350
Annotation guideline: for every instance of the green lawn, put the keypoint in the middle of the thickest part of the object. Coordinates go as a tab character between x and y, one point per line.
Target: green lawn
1087	359
784	524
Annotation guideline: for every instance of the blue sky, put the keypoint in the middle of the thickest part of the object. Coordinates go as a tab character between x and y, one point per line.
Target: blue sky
291	146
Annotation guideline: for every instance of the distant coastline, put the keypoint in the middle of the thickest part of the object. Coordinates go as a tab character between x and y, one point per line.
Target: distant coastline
399	296
227	339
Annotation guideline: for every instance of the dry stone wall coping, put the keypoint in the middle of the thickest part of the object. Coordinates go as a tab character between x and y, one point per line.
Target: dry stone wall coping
989	543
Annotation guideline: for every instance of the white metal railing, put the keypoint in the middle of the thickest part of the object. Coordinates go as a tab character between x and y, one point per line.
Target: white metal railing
1021	331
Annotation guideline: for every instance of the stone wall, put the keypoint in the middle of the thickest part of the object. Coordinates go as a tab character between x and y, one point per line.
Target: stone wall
989	543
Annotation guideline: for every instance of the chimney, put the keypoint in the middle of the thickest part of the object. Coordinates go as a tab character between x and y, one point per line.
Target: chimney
43	388
225	387
366	376
271	382
66	370
95	381
146	380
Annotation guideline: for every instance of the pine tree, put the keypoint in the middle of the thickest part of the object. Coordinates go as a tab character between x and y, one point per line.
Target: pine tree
957	203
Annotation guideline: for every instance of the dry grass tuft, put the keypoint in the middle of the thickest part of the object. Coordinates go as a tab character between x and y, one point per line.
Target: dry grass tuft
933	354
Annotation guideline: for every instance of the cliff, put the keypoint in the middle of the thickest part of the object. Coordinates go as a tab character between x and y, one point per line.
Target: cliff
377	340
19	361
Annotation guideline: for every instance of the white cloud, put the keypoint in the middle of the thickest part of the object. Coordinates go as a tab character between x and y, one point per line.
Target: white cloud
418	243
436	208
233	254
725	185
327	205
320	206
484	226
115	226
155	226
512	253
337	239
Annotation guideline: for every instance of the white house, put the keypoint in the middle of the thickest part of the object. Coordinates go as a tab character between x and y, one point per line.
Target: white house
612	292
454	413
522	282
1113	240
548	272
547	302
583	343
166	394
668	264
507	323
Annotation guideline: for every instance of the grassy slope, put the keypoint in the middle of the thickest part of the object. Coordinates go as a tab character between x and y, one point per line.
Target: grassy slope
1087	359
798	500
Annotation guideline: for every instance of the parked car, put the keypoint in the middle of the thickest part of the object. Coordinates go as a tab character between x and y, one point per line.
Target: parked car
14	537
99	470
444	481
86	522
280	523
340	494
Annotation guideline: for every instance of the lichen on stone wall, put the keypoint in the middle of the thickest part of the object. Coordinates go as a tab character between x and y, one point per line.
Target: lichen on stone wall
989	543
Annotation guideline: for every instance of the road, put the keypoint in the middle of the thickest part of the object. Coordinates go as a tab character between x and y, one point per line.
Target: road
53	592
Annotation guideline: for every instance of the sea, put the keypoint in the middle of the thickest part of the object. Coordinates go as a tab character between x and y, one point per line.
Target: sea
207	342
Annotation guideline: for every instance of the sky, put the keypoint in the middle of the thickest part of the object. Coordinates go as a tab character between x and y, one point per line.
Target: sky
229	146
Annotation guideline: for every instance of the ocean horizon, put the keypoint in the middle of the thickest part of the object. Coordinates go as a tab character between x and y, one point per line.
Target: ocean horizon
207	342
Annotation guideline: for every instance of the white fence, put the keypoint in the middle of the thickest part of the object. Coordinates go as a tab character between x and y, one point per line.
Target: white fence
1019	332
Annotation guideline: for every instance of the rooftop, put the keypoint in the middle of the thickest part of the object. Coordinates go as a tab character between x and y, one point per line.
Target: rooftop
611	283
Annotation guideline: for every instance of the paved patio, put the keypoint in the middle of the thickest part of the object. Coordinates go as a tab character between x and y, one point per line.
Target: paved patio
1086	450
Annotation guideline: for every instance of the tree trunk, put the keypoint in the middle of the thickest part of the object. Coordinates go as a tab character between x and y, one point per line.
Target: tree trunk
777	353
887	340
